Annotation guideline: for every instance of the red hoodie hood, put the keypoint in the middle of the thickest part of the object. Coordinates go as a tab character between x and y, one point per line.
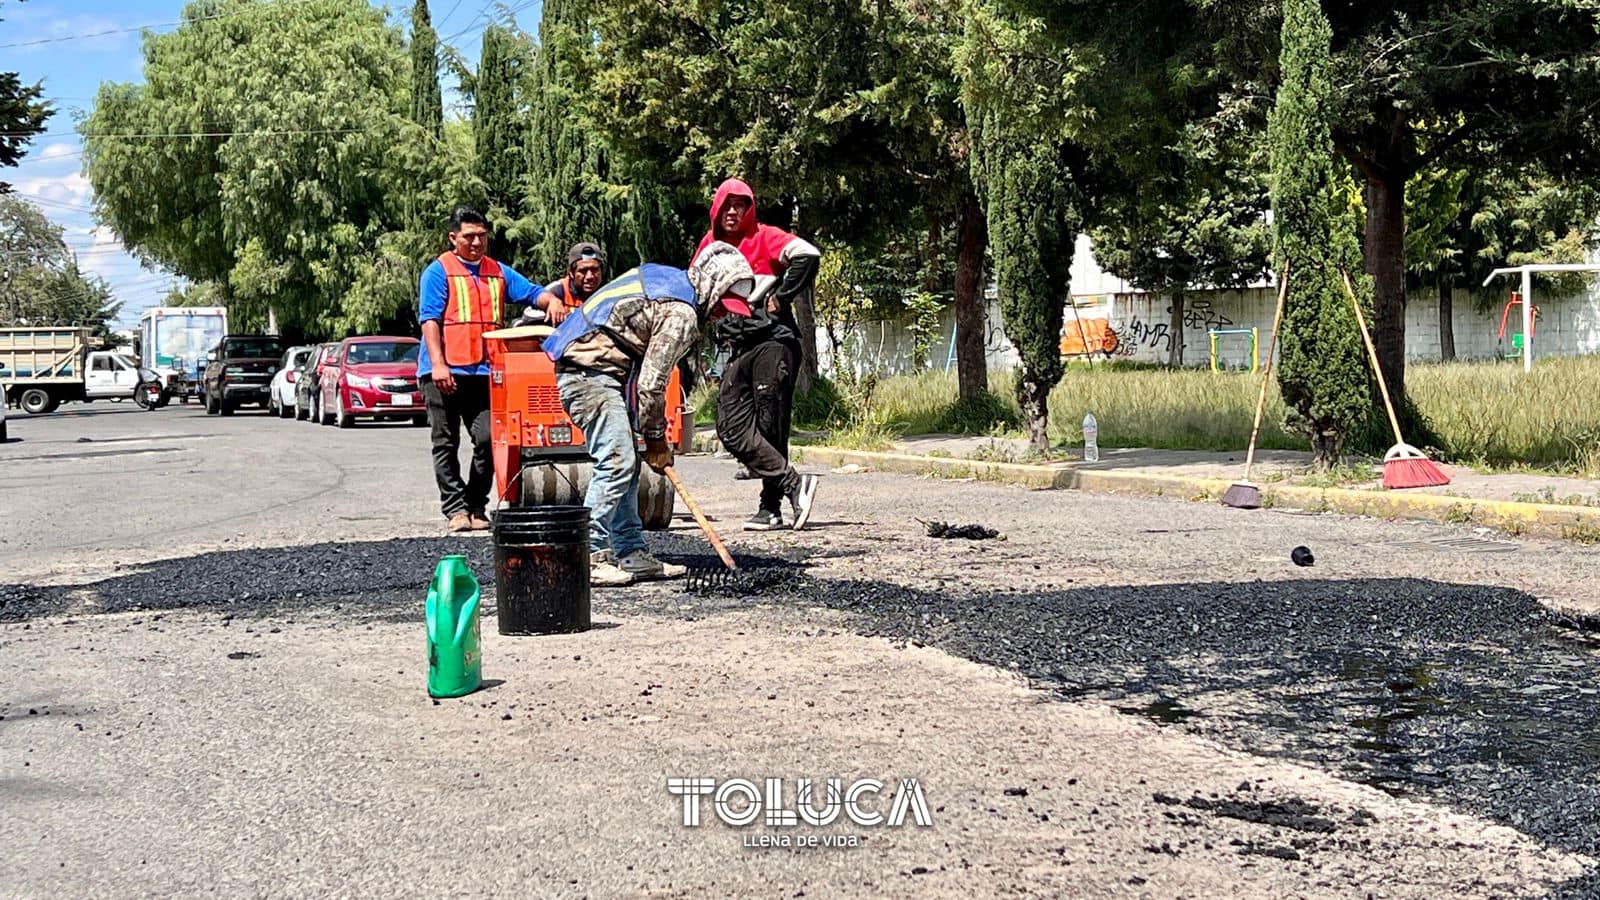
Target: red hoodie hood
733	187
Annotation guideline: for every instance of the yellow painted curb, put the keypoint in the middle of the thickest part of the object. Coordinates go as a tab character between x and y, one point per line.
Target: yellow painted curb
1549	520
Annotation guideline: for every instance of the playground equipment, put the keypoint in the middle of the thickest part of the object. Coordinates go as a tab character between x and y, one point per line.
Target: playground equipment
1527	273
1254	334
1519	340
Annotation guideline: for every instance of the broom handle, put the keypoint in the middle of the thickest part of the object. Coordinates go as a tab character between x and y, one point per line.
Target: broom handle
705	524
1266	376
1372	353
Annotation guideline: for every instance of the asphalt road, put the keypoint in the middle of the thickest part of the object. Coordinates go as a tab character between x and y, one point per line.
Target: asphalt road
213	685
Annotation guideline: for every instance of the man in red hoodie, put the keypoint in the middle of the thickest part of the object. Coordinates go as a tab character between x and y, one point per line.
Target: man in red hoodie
756	402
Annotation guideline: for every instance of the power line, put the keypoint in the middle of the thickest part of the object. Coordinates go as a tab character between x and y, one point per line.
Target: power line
186	134
484	17
94	34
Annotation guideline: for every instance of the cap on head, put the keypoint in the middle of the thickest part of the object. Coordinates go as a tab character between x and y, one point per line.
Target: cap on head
584	250
722	277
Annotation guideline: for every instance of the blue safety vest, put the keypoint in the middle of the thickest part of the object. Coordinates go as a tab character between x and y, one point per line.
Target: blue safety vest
652	281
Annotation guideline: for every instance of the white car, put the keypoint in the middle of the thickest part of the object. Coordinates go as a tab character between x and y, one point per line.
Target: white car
280	395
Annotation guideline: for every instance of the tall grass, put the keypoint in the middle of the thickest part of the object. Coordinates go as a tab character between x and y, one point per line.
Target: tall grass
1493	414
1482	413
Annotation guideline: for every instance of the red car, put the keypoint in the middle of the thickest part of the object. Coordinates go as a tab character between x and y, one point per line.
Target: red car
375	377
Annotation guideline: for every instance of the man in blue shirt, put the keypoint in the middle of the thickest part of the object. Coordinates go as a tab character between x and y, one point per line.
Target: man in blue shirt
463	294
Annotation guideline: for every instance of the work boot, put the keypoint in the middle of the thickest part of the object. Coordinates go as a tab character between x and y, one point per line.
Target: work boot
801	497
764	520
459	522
480	522
604	571
644	567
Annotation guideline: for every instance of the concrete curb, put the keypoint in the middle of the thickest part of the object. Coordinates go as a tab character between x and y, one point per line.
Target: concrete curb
1543	519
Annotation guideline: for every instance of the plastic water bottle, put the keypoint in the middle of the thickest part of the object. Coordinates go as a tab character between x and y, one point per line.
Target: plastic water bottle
1091	439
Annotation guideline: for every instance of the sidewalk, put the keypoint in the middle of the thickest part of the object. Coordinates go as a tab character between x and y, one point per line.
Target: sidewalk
1518	503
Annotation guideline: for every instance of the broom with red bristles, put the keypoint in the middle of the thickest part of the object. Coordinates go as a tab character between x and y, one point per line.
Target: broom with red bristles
1404	466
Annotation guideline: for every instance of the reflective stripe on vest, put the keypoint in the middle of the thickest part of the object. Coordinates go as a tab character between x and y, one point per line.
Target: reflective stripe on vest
472	307
663	284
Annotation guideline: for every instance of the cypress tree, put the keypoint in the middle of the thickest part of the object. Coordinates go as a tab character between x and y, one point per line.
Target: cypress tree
1032	216
498	136
575	189
427	104
1323	367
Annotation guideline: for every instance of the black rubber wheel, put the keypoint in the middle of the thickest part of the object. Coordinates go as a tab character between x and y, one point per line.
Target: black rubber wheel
555	484
225	408
656	499
419	421
211	405
36	401
341	418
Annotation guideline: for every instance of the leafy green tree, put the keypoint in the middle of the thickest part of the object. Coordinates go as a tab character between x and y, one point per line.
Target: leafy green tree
40	281
1481	86
268	150
1198	221
1322	369
1462	225
22	116
843	116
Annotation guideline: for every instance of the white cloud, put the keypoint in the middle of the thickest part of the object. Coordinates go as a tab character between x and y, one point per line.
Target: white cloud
56	151
71	188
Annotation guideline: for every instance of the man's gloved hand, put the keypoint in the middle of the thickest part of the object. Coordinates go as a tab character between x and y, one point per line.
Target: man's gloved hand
657	453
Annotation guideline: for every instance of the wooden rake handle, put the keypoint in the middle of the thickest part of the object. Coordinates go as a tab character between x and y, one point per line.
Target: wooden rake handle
700	517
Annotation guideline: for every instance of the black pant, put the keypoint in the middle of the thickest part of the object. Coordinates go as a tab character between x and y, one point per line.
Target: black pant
754	410
468	404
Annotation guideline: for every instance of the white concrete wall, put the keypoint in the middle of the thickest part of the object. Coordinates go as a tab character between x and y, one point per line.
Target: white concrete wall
1567	326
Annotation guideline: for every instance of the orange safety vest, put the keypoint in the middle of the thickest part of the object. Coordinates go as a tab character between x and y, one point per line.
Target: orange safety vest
472	307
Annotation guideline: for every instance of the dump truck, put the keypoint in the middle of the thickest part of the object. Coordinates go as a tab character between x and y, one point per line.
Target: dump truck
173	342
42	368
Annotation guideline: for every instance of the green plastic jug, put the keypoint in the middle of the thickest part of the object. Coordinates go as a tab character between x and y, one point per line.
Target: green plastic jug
455	667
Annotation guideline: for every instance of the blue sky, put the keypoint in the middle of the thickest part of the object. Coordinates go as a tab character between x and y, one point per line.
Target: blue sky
73	69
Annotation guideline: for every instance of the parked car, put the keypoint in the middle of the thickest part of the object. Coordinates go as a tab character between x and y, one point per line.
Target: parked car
307	393
280	397
239	370
373	377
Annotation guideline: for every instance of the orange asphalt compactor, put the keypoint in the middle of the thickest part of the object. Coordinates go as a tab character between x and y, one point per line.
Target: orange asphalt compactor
539	455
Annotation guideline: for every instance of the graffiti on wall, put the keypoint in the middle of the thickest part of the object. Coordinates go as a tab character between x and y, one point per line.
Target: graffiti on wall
1143	333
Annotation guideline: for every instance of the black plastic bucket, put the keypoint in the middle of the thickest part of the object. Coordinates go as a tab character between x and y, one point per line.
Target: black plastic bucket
541	569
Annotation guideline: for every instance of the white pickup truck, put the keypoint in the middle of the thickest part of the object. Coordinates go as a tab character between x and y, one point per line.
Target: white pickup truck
42	368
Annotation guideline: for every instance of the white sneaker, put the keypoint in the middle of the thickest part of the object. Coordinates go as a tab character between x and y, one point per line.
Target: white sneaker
805	494
641	566
604	571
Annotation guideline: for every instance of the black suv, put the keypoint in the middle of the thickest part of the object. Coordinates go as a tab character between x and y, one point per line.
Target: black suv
239	370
